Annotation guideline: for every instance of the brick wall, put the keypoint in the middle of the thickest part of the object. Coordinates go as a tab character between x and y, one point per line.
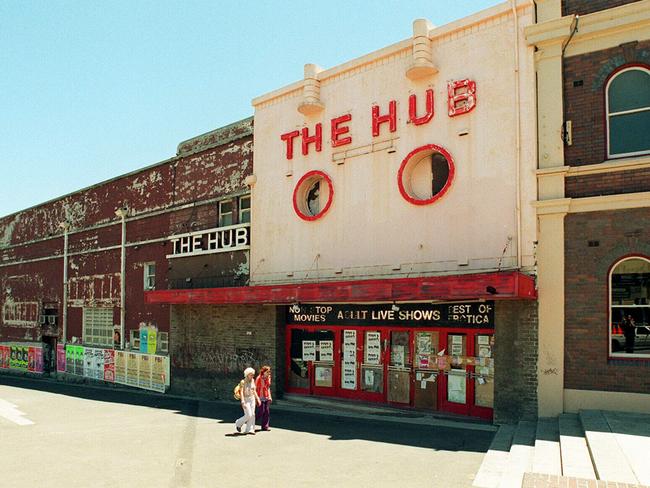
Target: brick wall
582	7
515	369
619	233
211	345
584	97
608	183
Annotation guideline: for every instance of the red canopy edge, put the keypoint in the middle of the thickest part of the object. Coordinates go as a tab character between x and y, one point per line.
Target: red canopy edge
489	286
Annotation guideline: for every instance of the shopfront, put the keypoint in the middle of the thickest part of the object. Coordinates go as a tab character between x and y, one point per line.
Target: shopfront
417	355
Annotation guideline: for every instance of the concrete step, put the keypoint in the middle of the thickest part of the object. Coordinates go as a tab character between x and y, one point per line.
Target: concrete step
576	459
609	460
521	455
546	457
496	459
632	432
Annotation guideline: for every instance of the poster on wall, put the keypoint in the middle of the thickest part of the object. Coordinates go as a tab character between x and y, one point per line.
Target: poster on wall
109	365
89	363
144	339
60	358
132	369
349	372
373	348
99	364
4	357
326	350
144	371
158	372
79	360
120	367
309	350
38	360
31	359
152	340
456	384
25	359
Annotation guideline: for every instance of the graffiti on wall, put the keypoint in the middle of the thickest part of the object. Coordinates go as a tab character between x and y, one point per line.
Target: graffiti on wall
215	358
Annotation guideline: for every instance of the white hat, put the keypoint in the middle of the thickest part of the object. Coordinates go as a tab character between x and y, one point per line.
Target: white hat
248	371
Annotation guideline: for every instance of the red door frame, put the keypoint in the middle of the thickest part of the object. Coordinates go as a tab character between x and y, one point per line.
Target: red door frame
468	408
336	390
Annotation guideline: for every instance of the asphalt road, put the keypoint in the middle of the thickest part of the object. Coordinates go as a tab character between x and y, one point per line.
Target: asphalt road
58	435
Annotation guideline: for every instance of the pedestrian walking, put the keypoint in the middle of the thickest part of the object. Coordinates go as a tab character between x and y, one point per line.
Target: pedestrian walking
249	399
263	387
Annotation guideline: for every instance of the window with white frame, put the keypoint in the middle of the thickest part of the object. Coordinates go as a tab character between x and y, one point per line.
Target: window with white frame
245	209
628	112
629	324
225	213
149	276
98	326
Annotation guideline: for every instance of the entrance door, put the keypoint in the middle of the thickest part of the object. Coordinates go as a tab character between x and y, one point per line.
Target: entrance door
373	359
399	367
468	383
312	366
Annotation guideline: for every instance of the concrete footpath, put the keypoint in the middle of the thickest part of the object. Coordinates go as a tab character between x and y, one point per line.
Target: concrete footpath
92	436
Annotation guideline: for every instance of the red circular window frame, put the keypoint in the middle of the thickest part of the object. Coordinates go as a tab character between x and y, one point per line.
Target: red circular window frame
409	157
305	177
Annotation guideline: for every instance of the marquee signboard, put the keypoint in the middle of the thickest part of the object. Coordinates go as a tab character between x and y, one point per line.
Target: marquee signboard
467	314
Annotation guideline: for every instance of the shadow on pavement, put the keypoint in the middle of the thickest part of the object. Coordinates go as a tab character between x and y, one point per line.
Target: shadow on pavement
336	428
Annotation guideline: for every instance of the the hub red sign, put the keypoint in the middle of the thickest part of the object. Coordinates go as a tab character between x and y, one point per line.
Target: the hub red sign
461	98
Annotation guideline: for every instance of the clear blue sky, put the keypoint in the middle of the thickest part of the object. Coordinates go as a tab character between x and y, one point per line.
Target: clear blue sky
90	90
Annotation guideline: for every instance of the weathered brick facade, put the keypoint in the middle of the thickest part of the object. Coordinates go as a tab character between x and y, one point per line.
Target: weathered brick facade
515	369
608	183
618	233
212	345
176	196
585	77
582	7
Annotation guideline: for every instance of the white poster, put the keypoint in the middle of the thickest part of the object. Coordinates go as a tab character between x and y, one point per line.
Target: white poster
326	350
309	350
456	383
349	372
373	348
397	354
349	344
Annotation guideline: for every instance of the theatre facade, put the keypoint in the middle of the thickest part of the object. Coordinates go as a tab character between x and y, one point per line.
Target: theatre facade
392	236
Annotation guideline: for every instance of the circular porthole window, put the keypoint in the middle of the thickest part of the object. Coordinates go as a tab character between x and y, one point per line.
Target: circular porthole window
425	175
312	196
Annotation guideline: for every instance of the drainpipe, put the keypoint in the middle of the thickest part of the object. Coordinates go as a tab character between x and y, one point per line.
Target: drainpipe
513	5
122	212
66	227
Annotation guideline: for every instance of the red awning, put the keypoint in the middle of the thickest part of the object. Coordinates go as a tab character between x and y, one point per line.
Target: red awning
488	286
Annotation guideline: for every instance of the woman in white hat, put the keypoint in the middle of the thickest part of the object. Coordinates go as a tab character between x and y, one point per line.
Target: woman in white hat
249	399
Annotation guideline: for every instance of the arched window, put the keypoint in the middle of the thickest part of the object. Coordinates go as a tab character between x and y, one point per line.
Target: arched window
629	329
628	112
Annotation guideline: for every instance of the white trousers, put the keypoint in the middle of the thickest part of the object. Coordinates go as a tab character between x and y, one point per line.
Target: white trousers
249	416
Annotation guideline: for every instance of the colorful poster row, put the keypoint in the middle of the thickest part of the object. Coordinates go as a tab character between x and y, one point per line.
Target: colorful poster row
21	358
146	371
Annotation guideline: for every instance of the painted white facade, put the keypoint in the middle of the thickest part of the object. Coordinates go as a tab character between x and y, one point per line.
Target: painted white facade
370	230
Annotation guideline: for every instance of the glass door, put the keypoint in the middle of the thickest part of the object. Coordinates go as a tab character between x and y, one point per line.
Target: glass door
372	365
399	367
323	362
349	363
483	375
455	386
425	364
